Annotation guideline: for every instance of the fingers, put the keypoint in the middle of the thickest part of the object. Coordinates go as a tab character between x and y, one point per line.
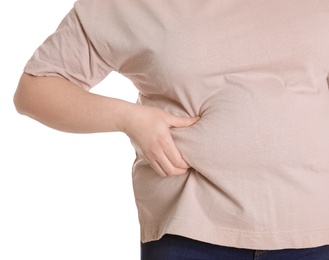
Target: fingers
166	160
165	168
149	130
158	169
174	156
182	121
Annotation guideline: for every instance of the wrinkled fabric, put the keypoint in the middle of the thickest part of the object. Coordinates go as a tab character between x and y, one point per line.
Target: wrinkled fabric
256	72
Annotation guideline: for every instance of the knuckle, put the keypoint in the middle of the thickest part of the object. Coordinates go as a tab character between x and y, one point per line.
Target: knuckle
153	151
163	140
177	162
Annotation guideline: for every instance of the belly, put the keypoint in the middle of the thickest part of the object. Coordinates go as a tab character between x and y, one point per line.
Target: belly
250	130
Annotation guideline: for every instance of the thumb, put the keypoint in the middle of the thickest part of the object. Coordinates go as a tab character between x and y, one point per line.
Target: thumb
182	121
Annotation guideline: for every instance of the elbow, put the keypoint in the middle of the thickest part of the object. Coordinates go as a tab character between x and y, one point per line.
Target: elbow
18	99
22	97
18	103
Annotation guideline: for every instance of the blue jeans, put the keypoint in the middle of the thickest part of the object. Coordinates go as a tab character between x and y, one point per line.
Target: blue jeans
172	247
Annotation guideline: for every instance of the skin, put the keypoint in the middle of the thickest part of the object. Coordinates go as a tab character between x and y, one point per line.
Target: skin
64	106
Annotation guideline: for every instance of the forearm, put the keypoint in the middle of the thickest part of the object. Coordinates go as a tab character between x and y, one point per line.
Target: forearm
64	106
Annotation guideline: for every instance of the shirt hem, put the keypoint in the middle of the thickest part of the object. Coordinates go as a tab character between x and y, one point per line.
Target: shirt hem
238	238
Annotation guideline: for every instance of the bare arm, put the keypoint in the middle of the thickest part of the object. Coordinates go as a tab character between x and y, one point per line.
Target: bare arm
64	106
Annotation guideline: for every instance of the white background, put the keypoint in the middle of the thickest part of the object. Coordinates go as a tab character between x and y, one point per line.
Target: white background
62	196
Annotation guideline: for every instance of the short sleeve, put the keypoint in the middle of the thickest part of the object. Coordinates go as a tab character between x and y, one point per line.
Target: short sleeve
70	54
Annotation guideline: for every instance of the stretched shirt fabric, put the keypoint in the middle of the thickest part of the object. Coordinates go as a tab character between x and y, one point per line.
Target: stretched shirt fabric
256	72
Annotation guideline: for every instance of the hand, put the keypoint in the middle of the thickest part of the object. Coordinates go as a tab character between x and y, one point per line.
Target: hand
149	128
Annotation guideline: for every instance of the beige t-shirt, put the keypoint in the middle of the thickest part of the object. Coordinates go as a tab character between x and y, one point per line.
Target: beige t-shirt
256	72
